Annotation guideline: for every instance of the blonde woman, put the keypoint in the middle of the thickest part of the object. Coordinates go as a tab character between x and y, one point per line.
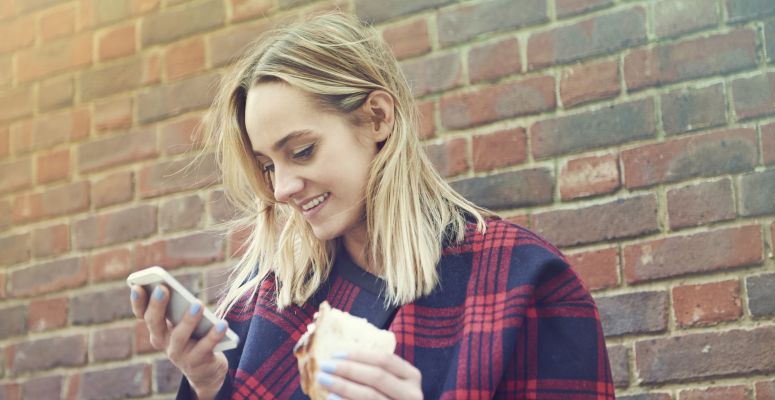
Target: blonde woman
316	137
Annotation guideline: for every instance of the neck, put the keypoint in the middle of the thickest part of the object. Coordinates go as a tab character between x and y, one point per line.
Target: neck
355	245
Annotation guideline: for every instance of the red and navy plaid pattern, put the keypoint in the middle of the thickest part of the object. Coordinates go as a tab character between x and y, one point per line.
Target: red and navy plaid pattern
509	320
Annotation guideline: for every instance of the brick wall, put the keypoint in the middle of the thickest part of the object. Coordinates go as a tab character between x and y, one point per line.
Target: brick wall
637	135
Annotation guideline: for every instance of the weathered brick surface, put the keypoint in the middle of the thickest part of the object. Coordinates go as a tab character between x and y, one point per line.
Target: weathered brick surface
705	355
142	338
597	268
16	104
110	264
509	189
433	74
17	34
113	114
102	306
633	313
111	79
177	97
57	23
589	82
14	321
182	135
494	60
769	33
375	10
114	227
701	204
756	191
56	93
755	96
57	56
499	149
180	213
193	249
53	166
567	8
587	176
41	354
768	144
739	392
691	109
51	240
619	356
47	314
761	297
673	18
167	376
116	150
619	219
591	37
47	277
742	10
450	158
225	45
119	382
15	248
113	189
184	59
707	304
59	200
690	59
245	9
219	208
111	343
117	42
53	129
492	103
691	254
47	387
467	21
608	126
703	155
10	391
170	177
15	175
165	27
765	390
408	39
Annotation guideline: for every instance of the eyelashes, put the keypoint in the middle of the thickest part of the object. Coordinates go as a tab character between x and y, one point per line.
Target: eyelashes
302	154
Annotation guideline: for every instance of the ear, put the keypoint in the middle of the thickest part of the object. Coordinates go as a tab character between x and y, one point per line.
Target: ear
378	109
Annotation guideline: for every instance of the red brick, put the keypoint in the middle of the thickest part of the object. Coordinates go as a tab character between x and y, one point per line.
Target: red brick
5	145
111	264
115	227
438	72
105	305
116	150
219	208
567	8
765	390
170	177
715	393
51	240
47	314
60	200
5	213
142	338
215	282
673	18
619	357
176	98
701	204
703	252
47	387
184	59
427	119
705	355
61	127
57	23
704	155
633	313
519	219
118	382
247	9
2	296
194	249
588	176
54	57
768	143
227	45
113	189
182	135
496	102
754	97
450	158
122	76
631	217
691	109
113	114
14	321
755	193
53	166
589	82
111	344
11	391
15	175
143	6
375	11
117	42
689	59
499	149
467	21
180	213
15	248
96	12
238	240
165	26
48	277
15	104
597	268
509	190
749	9
593	36
168	376
707	304
408	38
16	33
494	60
56	93
151	68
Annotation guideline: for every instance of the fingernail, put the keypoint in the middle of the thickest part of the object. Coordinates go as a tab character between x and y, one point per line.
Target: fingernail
195	308
220	326
339	355
332	396
328	366
158	294
325	379
133	294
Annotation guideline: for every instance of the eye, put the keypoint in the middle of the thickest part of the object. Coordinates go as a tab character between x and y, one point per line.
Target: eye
267	168
304	153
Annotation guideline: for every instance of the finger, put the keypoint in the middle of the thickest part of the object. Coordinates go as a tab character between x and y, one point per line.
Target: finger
155	317
379	379
390	362
347	389
180	335
204	347
139	300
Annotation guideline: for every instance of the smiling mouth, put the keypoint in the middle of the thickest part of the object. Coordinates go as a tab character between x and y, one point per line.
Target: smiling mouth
315	202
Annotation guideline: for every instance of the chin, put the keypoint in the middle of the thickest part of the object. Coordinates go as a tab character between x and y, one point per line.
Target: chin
324	233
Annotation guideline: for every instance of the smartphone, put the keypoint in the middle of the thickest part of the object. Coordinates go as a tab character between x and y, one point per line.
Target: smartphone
180	303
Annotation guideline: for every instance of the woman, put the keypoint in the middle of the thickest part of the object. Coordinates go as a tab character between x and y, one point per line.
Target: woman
316	137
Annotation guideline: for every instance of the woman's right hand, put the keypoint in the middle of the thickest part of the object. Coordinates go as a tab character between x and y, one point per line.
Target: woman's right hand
204	369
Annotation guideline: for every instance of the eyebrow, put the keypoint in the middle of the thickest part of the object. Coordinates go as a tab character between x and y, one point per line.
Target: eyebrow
282	142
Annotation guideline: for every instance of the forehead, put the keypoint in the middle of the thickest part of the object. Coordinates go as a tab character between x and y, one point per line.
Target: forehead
274	109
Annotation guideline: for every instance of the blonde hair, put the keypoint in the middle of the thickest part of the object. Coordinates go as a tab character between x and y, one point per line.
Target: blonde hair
410	209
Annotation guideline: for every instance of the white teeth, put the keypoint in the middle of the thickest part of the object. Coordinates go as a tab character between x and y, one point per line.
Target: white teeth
314	202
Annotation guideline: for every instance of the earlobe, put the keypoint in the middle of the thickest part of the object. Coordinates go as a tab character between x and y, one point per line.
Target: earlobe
379	106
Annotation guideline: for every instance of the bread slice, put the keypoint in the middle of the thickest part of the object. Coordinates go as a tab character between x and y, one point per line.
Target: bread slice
335	331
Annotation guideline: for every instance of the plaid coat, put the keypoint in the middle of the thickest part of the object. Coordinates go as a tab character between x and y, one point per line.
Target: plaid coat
509	320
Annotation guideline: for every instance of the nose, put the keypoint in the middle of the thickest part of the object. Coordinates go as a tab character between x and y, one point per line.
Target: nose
286	184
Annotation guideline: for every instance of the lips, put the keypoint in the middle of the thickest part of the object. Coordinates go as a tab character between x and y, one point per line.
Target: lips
315	202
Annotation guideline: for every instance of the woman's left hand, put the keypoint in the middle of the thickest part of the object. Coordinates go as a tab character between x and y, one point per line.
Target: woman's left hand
366	375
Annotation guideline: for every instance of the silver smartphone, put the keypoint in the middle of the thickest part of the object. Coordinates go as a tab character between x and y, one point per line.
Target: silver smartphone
180	303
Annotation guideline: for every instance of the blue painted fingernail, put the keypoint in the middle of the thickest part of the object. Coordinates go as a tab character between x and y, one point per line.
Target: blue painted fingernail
332	396
133	294
325	379
195	308
220	326
328	366
339	355
158	294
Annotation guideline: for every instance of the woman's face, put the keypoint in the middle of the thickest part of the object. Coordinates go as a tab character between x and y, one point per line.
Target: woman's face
317	161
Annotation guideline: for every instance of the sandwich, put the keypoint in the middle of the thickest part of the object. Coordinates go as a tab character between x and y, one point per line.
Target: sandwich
334	331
